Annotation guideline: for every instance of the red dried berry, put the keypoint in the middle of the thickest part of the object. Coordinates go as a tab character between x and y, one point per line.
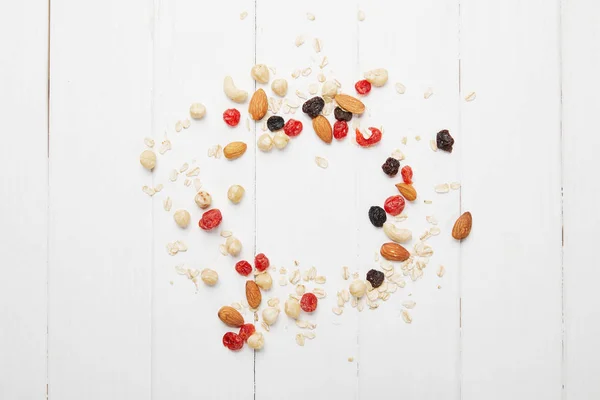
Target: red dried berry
340	129
246	331
292	128
231	117
373	139
363	87
210	219
407	174
233	341
243	268
261	262
308	302
394	205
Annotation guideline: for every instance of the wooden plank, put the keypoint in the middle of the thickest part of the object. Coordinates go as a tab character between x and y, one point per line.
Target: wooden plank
23	183
581	60
306	213
420	52
511	173
100	260
195	50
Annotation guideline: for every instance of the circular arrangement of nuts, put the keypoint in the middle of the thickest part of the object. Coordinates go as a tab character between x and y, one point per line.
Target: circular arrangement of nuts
368	290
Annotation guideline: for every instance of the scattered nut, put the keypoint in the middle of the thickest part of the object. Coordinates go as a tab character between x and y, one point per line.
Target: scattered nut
329	90
265	142
235	193
148	159
280	140
197	111
264	281
292	308
260	73
377	77
256	341
279	87
182	218
203	199
231	91
358	288
396	234
209	277
270	315
233	246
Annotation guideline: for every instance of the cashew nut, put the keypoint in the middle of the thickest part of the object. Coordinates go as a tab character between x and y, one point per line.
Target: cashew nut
396	234
235	94
377	77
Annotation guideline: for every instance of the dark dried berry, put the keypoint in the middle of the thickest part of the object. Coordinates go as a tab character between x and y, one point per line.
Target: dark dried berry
445	141
342	115
375	278
391	166
314	106
275	123
377	216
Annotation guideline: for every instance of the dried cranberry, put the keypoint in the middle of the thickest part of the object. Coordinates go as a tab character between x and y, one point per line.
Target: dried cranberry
363	87
445	141
308	302
233	341
391	166
375	278
246	331
394	205
231	117
243	268
342	115
210	219
373	139
275	123
377	216
407	174
292	128
340	129
261	262
314	106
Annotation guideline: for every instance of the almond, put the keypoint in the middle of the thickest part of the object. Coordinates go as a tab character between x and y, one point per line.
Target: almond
234	150
349	103
323	128
230	316
462	226
394	252
408	191
253	294
258	105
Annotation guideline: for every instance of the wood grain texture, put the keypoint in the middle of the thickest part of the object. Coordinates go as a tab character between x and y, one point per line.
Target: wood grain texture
100	259
510	151
23	184
581	84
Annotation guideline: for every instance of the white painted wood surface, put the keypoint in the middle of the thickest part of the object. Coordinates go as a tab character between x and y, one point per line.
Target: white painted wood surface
122	324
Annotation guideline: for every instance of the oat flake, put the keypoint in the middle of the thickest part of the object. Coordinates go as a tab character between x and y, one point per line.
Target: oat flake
400	88
243	15
455	185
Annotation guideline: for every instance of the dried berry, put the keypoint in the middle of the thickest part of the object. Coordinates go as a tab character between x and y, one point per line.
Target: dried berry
231	117
308	302
363	87
243	268
373	139
407	174
394	205
375	278
233	341
340	129
275	123
261	262
444	141
377	216
391	166
246	331
292	128
314	106
210	219
342	115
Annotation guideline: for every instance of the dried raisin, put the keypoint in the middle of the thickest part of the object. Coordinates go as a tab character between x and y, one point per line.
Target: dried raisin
340	129
210	219
231	117
342	115
275	123
261	262
377	216
444	141
373	139
243	268
375	278
391	166
308	302
407	174
292	127
233	341
246	331
314	106
394	205
363	87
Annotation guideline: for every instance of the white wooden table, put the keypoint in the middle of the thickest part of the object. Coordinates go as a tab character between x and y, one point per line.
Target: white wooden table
90	304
